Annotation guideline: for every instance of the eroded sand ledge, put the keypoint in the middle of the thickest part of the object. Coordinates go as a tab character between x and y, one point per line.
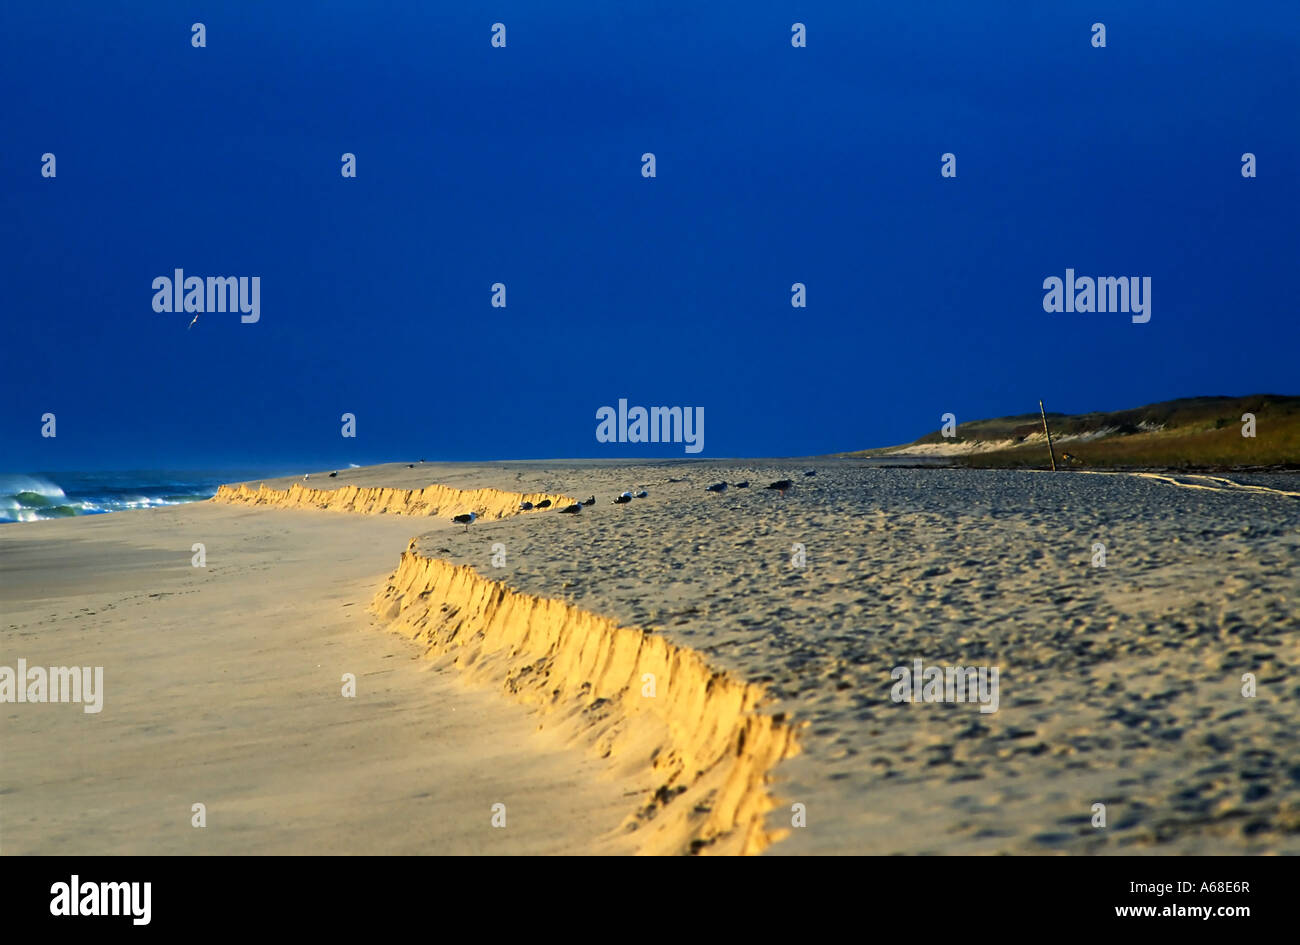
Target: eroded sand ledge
701	738
701	735
381	500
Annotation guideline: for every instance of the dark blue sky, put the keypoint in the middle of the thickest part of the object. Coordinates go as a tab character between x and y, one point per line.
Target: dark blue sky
522	165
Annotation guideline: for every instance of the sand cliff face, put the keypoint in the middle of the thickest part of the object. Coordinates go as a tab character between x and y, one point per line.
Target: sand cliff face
638	699
646	705
431	500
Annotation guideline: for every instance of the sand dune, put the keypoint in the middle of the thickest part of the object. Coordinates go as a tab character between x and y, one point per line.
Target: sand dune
1120	685
633	697
380	500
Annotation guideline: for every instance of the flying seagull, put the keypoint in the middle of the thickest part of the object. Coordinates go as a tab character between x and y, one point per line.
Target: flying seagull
191	324
781	485
467	519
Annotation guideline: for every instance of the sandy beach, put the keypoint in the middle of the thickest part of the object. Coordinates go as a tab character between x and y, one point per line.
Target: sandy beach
222	686
506	663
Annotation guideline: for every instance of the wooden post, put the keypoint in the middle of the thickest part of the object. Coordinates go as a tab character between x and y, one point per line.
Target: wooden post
1050	451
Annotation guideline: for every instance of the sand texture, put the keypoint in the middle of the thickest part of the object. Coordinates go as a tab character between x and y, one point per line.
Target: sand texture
1119	685
638	700
223	687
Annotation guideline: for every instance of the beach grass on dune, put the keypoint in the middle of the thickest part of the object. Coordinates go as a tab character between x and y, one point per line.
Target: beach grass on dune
1192	433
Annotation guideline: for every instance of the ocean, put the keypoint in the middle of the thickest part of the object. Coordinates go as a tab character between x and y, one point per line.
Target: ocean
28	497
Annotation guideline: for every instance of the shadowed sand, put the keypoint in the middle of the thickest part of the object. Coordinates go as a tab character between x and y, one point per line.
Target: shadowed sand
1119	685
223	687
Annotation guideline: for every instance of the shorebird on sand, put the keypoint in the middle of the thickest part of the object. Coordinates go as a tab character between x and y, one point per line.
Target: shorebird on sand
716	487
781	485
623	499
467	519
572	509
